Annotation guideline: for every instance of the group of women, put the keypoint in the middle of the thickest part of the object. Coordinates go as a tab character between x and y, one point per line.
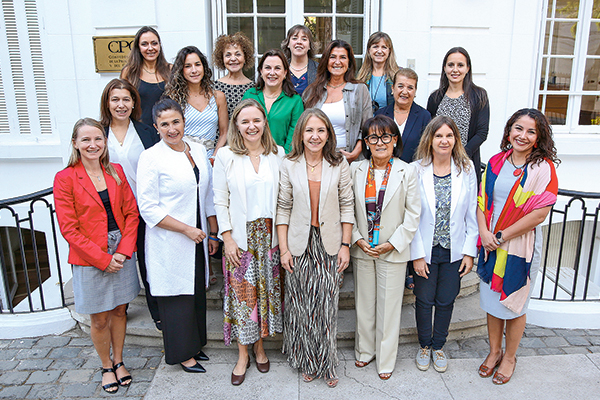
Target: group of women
396	192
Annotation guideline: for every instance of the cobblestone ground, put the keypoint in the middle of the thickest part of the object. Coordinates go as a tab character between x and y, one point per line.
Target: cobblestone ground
66	366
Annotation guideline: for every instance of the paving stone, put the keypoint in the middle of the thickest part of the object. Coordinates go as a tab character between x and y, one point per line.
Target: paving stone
474	344
53	341
4	343
143	375
576	350
539	332
526	352
87	352
570	332
45	392
80	342
8	365
550	351
22	343
43	377
138	389
451	345
131	351
153	362
14	392
8	354
594	349
32	353
135	362
65	352
92	363
84	390
67	363
37	364
594	340
532	342
13	378
463	354
556	341
577	340
152	352
77	376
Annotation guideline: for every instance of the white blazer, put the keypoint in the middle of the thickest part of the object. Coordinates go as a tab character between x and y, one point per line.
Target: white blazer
230	193
166	185
463	221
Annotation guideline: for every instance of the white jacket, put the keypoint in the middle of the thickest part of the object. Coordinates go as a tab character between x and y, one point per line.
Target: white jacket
463	221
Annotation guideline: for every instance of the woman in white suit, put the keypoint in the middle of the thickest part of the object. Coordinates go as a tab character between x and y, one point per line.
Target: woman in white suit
446	241
387	207
315	214
175	198
246	184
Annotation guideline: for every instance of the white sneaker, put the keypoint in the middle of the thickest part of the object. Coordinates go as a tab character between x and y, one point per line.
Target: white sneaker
423	358
440	363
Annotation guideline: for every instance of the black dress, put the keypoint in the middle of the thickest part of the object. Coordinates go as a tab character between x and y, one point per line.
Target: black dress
149	94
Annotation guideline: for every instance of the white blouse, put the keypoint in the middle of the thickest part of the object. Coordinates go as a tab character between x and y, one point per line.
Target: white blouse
259	188
127	154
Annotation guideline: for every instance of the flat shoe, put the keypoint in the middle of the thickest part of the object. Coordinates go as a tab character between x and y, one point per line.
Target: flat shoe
485	371
112	384
122	381
332	382
501	379
237	380
201	356
385	376
194	368
307	377
361	364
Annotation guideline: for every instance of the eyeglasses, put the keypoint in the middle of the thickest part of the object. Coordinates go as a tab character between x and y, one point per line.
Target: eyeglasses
374	139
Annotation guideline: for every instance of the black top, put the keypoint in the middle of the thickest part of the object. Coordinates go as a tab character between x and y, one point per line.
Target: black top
112	224
149	94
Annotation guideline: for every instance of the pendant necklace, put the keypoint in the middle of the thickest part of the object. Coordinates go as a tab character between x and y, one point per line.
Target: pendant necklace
312	167
519	169
95	176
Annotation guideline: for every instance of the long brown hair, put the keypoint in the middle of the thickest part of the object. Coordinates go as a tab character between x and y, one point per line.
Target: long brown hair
177	87
135	61
287	86
235	141
316	89
75	157
544	145
390	67
136	110
294	30
425	149
330	153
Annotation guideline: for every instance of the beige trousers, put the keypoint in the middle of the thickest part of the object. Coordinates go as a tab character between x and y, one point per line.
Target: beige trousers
378	291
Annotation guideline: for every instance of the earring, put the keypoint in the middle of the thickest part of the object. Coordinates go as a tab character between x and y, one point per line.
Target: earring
394	144
535	145
367	147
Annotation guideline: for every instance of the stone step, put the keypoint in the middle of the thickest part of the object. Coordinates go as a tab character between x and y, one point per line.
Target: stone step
468	320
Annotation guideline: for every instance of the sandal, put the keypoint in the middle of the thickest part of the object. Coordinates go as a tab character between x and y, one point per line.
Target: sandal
409	282
308	377
385	376
212	279
361	364
112	384
332	382
485	371
124	381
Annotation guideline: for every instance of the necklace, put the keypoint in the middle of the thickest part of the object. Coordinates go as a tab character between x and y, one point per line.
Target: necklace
257	156
299	69
519	169
95	176
153	72
401	111
312	167
336	86
271	97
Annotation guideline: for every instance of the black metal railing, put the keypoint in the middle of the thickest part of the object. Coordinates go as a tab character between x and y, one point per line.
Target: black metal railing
570	267
25	253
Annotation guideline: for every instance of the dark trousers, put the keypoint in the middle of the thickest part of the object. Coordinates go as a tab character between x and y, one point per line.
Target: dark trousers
439	290
141	256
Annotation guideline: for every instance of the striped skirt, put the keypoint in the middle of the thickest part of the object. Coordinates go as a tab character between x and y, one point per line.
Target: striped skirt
311	309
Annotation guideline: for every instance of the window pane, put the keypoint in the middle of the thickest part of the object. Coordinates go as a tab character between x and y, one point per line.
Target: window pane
563	38
556	108
590	111
318	6
543	74
351	30
564	8
594	40
349	6
592	74
270	6
322	30
241	24
559	76
547	37
239	6
270	33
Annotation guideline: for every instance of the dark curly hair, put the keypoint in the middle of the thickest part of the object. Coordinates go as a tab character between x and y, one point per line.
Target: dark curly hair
237	39
544	147
177	87
287	86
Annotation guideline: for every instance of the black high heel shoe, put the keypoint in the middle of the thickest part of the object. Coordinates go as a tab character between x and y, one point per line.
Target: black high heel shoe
201	356
194	368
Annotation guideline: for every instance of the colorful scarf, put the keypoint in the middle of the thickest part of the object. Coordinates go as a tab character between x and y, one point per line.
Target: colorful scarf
507	268
374	202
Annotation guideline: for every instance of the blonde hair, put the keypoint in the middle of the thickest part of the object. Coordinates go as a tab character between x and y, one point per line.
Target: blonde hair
425	149
390	67
235	140
75	157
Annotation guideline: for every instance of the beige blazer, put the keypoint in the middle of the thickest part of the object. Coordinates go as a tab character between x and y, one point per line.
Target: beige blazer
399	215
336	204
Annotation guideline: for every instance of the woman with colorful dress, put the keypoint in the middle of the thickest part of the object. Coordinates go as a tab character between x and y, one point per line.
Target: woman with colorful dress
147	70
246	184
299	48
233	53
275	92
315	214
205	109
518	189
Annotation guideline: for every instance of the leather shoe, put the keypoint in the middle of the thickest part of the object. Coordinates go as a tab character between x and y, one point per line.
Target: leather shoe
485	371
501	379
237	380
201	356
262	367
194	368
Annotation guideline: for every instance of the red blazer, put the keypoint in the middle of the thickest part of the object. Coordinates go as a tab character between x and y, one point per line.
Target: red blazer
82	217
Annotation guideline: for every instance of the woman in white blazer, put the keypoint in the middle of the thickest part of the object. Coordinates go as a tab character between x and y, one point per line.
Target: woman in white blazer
246	184
387	207
175	198
446	241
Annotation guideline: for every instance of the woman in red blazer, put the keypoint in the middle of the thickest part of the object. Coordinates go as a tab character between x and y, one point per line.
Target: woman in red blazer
98	217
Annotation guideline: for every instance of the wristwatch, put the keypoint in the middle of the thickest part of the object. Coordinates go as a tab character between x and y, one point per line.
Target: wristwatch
499	237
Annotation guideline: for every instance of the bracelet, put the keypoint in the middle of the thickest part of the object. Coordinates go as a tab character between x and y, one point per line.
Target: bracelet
287	251
346	244
213	238
212	234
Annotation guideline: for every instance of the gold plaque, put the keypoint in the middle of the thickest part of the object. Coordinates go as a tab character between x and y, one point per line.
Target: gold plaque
111	52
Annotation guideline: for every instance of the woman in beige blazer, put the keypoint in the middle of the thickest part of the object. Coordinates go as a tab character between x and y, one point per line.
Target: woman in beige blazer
315	210
387	207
